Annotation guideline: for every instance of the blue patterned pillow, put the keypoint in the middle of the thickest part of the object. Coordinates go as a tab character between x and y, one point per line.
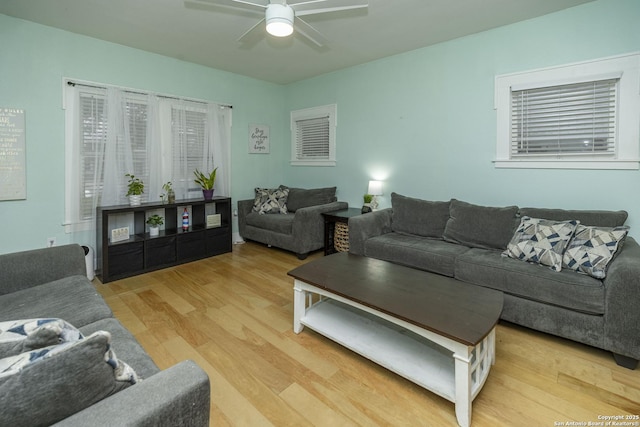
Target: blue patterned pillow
44	386
592	249
19	336
541	241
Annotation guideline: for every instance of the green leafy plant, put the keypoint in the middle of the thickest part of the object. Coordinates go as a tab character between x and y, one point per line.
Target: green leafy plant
368	198
168	186
205	181
135	186
155	220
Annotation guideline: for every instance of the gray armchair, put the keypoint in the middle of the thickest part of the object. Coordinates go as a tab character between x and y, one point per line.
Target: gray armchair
300	230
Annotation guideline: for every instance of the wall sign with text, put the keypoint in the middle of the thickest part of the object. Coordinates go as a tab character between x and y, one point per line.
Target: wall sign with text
258	139
13	177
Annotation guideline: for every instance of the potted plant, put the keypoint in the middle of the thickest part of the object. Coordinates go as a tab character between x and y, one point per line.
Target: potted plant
367	203
206	181
171	195
154	221
135	189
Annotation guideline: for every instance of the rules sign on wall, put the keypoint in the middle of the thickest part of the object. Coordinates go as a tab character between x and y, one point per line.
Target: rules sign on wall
13	179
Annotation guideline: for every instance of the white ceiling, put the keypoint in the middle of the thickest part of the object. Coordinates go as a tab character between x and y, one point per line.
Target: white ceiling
207	35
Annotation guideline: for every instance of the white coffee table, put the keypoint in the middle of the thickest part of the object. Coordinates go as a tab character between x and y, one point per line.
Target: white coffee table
430	329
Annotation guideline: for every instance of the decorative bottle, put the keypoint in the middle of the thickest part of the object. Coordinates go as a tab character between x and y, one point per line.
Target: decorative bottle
185	220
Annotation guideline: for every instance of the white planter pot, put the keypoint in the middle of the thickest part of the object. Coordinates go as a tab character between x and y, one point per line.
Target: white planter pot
135	199
154	231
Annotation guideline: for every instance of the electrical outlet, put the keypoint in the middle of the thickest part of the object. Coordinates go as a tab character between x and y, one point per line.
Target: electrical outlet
51	241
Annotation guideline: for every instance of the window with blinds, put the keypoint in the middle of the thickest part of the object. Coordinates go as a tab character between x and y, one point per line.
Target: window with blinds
313	136
93	142
584	115
573	119
188	143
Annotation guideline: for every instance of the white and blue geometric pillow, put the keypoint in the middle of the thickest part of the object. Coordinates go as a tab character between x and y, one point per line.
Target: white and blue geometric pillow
593	248
541	241
18	336
14	364
271	201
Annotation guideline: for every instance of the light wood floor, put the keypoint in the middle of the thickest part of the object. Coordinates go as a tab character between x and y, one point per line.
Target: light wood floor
233	313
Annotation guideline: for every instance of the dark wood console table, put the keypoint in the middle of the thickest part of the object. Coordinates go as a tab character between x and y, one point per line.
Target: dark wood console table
209	234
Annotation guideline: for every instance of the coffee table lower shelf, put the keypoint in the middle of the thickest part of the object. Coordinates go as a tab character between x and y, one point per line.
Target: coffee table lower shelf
443	366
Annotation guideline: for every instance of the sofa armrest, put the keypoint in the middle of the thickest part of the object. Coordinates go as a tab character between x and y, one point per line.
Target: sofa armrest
22	270
177	396
244	208
363	227
622	302
308	222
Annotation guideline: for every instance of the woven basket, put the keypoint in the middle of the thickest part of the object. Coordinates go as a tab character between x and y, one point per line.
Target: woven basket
341	237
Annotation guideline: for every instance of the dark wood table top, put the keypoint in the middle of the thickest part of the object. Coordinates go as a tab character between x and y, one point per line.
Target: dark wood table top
460	311
343	213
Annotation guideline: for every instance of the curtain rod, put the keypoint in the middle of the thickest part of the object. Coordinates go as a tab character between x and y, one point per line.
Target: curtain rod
72	83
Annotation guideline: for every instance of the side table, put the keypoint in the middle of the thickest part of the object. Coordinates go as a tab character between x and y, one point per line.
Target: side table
341	219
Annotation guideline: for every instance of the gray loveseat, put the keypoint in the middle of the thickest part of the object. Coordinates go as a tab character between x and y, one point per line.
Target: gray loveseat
467	242
77	388
295	222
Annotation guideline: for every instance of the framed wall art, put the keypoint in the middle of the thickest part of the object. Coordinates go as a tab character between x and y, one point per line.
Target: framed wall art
259	139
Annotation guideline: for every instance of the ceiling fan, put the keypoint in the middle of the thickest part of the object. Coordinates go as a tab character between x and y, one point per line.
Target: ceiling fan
282	16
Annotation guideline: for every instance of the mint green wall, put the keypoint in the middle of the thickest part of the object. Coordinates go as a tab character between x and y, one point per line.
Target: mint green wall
424	121
34	59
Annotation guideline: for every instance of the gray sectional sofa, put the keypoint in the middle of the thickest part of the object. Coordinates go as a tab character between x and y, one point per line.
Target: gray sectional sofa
288	218
476	244
77	387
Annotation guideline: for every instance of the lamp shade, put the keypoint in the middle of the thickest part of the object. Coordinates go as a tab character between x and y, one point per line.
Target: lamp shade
279	20
375	188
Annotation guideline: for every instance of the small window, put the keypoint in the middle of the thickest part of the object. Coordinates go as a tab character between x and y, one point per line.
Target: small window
576	116
313	136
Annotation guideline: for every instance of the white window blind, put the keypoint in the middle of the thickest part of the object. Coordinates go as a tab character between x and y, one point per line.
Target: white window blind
313	140
572	119
584	115
188	144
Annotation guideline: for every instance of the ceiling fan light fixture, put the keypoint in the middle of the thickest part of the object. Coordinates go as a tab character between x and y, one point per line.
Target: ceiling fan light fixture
279	20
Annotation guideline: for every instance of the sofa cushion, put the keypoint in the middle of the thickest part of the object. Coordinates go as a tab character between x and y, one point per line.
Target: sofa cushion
19	336
128	348
480	226
278	223
417	216
303	198
76	301
271	200
563	289
48	385
586	217
541	241
592	249
424	253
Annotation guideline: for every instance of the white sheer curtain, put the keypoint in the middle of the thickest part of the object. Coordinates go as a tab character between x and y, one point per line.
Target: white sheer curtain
200	139
118	154
218	135
154	158
113	131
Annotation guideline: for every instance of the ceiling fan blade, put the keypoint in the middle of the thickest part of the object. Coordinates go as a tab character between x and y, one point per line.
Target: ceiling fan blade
246	35
309	32
313	7
233	4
